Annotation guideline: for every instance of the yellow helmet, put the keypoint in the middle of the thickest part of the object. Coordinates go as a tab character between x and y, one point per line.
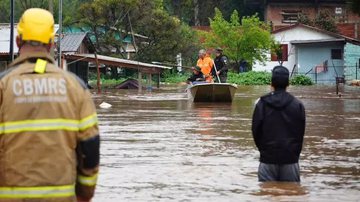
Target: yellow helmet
36	24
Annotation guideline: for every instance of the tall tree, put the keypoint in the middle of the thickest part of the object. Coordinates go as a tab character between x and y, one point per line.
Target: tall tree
109	23
323	20
112	21
249	39
69	8
167	36
196	12
355	6
25	4
5	11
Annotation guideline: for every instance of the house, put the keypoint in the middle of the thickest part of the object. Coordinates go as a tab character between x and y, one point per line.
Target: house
319	54
282	13
128	40
76	43
77	52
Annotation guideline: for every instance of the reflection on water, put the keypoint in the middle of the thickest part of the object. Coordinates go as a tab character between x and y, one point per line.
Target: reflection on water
159	146
281	188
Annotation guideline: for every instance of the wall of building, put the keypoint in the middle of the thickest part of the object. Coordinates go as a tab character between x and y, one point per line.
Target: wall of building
3	65
273	12
285	37
347	21
80	68
351	30
352	59
311	55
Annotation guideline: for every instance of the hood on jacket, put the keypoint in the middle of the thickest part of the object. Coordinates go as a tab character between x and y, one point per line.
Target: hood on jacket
277	99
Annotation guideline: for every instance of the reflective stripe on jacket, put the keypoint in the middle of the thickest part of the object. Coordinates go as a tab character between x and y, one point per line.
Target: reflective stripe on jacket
37	192
45	114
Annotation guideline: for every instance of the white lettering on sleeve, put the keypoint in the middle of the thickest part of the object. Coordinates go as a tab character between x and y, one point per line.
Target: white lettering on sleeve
28	87
52	82
40	86
62	86
17	87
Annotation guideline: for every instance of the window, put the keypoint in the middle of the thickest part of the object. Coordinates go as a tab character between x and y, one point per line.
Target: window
284	55
336	54
290	16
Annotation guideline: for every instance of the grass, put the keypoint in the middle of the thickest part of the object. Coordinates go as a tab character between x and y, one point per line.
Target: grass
246	78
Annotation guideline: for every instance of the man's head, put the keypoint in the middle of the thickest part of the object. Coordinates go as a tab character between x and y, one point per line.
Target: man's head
280	77
196	69
202	53
218	51
36	28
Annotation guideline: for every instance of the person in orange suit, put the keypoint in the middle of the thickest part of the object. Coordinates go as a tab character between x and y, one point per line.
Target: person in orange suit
206	64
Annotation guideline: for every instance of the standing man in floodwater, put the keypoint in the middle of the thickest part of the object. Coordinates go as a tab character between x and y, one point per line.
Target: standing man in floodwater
278	128
49	137
206	64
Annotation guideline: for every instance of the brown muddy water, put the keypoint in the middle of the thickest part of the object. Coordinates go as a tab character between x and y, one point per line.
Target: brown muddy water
159	146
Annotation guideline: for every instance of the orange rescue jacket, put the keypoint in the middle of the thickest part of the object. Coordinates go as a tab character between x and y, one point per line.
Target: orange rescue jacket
206	65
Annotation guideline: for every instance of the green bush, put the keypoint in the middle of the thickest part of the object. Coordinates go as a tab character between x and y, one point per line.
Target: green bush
169	77
301	80
250	78
107	83
246	78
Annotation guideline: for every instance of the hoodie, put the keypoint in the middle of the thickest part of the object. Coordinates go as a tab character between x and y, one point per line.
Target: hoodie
278	127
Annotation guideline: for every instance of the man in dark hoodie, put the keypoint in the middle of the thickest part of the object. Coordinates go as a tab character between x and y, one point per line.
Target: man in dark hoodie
278	128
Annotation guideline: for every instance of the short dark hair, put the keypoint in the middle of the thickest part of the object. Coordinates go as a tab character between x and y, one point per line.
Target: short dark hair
280	77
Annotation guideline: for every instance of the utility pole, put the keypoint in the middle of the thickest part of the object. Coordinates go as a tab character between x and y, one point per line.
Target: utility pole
51	10
11	51
51	6
60	33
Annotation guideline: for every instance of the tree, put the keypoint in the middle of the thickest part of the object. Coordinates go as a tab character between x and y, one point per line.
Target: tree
249	40
168	36
111	21
323	20
355	6
196	12
69	8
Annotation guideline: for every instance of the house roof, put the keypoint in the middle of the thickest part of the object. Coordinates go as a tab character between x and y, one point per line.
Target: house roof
307	1
126	39
5	38
143	67
316	41
72	41
335	35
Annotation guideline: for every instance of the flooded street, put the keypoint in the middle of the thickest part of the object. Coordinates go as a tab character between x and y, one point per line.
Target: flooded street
159	146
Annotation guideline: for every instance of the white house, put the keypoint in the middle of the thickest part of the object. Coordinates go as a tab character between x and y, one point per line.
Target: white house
317	53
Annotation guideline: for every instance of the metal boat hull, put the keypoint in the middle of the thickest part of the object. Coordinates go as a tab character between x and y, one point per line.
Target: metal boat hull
212	92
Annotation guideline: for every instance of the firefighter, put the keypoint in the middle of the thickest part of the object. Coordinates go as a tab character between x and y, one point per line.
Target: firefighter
49	137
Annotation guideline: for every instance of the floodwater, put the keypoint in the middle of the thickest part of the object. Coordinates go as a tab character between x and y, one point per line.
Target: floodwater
159	146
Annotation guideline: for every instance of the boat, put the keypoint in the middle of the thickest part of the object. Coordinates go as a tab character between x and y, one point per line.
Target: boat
212	92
